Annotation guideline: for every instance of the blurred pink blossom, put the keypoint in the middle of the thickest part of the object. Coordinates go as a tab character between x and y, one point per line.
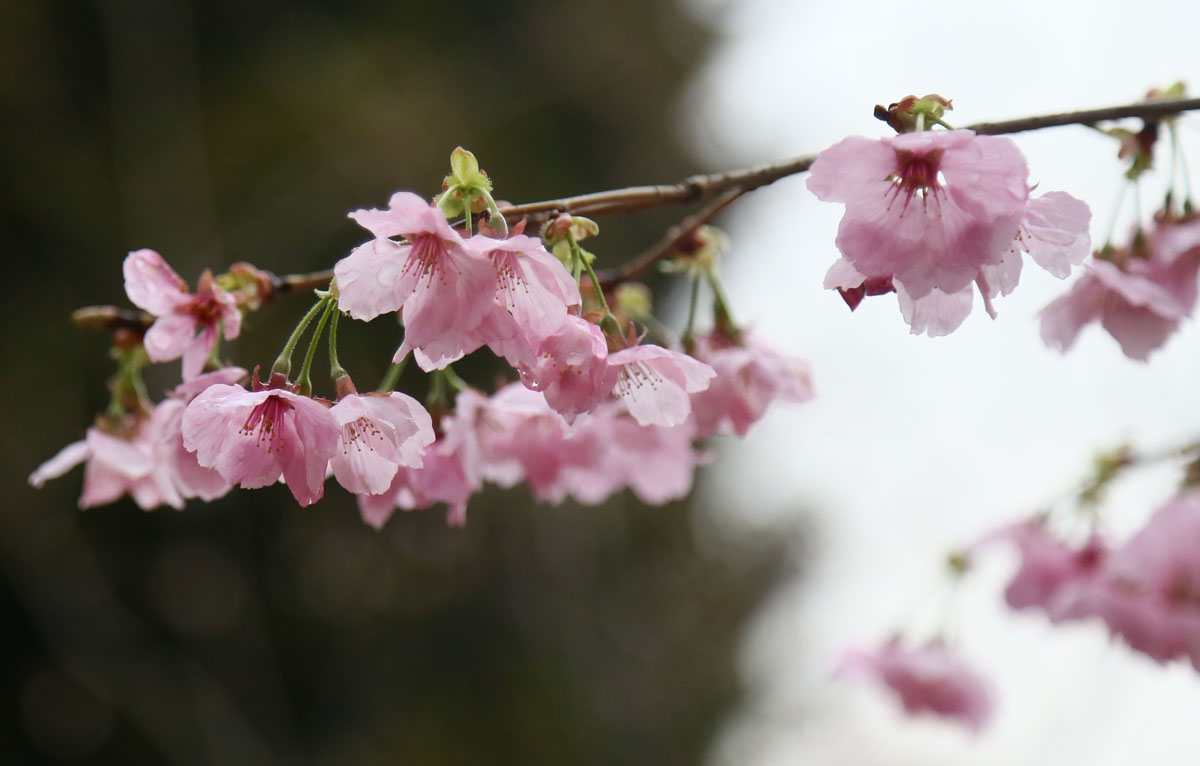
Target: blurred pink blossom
929	679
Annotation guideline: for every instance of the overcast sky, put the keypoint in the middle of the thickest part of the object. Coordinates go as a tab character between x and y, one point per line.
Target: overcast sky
917	445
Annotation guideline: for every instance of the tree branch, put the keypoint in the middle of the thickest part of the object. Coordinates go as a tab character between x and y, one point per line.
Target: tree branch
700	187
730	185
674	237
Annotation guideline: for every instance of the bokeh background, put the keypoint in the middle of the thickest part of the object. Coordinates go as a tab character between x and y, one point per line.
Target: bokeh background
250	631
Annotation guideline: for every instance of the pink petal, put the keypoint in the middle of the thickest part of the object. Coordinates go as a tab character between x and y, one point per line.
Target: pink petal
67	458
151	284
169	337
935	313
368	279
306	458
1065	317
1055	232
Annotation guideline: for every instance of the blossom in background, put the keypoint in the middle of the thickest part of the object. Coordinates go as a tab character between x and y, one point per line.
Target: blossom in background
1052	575
514	436
748	378
189	477
1148	593
657	463
185	325
442	478
929	679
1139	295
939	214
116	465
252	438
443	287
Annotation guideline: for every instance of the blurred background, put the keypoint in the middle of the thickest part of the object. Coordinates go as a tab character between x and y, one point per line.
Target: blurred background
250	631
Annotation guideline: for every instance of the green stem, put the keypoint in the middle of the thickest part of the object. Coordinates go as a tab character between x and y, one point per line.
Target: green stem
303	379
721	309
336	370
1112	224
581	260
214	360
391	376
436	398
1183	167
283	363
452	377
689	334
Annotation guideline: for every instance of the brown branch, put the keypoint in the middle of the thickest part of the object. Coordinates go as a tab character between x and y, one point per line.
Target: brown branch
112	318
293	284
701	187
674	237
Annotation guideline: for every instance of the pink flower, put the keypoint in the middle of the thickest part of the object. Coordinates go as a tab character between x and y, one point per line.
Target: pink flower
656	463
186	324
933	212
1139	300
378	434
929	679
515	436
189	477
533	293
253	437
116	464
655	383
749	378
441	479
1150	587
571	368
443	287
1052	576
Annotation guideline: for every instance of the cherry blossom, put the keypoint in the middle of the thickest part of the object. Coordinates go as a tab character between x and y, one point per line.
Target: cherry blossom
189	477
1138	297
935	215
514	436
186	325
252	438
1149	591
572	368
748	378
378	433
443	287
442	478
655	383
533	294
116	464
656	463
929	679
1052	576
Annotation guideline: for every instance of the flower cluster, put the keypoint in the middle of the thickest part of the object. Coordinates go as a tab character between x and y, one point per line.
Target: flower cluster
935	215
593	409
1139	293
1147	590
927	679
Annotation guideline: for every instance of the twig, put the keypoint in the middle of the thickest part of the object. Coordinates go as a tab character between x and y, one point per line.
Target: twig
675	236
694	189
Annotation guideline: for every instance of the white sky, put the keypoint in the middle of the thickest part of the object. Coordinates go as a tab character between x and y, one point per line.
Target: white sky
919	445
